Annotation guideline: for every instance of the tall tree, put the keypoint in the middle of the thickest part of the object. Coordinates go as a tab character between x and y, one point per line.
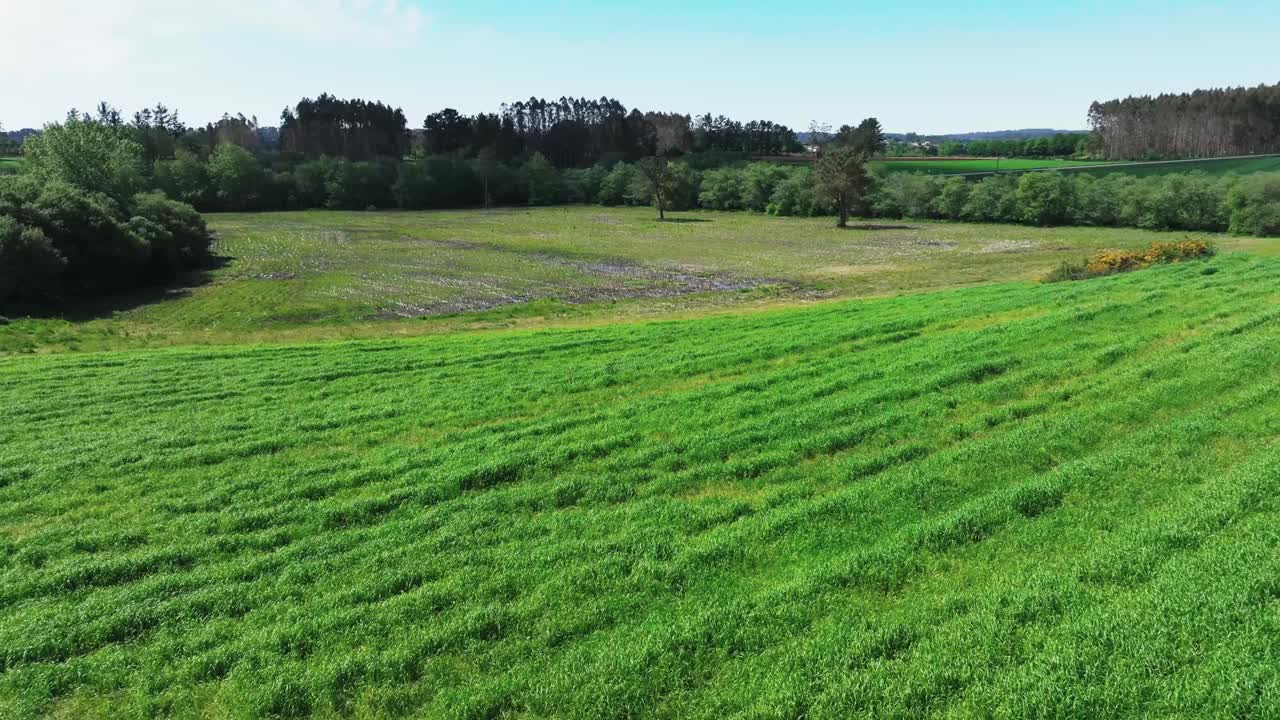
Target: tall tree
840	177
658	178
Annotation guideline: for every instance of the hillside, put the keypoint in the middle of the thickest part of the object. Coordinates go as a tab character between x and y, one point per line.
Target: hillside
1010	500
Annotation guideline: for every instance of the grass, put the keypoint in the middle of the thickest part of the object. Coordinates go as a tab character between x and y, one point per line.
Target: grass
1227	166
952	166
1013	500
10	165
324	275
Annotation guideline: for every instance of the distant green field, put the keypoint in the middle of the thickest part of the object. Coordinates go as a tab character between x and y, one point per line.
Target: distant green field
319	274
10	164
1233	166
1015	500
951	166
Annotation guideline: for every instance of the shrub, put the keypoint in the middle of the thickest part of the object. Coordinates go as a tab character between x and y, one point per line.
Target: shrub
1110	262
236	177
722	189
186	237
542	181
1045	198
614	187
759	180
30	267
1254	206
993	199
904	195
795	196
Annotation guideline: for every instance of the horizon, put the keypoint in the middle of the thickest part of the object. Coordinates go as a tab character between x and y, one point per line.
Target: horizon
995	68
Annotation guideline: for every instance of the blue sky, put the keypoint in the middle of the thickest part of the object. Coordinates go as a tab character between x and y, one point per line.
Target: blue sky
922	65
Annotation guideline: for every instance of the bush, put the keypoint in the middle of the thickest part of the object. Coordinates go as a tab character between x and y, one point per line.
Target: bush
60	240
795	196
186	238
759	180
1045	198
902	194
722	189
30	267
542	181
185	178
613	189
1110	262
235	177
1254	206
993	199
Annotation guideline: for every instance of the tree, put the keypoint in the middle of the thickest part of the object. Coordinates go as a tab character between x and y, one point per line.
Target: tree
840	177
656	173
867	137
542	180
235	176
93	156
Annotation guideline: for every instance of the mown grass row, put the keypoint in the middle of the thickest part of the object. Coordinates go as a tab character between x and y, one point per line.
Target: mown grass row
1009	500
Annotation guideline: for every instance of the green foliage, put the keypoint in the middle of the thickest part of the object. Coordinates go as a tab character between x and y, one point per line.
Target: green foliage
185	178
1254	206
92	156
616	185
69	242
1045	198
795	196
758	182
993	199
970	503
236	178
840	178
721	189
542	181
30	267
905	195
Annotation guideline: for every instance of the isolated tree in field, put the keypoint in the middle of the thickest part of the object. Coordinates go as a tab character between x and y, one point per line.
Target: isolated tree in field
658	179
840	177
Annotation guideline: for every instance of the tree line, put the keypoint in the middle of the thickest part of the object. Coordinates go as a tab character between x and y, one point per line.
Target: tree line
1204	123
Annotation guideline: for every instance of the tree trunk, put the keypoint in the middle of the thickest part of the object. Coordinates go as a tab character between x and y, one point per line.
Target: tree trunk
844	216
658	201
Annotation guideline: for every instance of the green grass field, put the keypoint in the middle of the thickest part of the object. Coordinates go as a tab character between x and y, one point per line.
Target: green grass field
10	165
1229	166
952	166
1012	500
322	275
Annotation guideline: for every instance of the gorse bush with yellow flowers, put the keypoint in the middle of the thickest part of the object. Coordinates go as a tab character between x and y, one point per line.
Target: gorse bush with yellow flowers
1110	262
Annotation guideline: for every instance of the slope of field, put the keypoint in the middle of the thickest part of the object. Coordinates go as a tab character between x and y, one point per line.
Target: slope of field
1212	166
1013	500
316	274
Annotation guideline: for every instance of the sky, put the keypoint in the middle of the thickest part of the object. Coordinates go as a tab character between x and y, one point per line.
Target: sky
930	66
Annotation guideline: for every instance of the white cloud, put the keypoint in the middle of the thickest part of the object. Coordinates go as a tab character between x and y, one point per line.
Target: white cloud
95	37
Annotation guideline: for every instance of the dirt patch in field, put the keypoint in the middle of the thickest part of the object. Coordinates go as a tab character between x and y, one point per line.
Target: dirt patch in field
851	269
584	281
1008	246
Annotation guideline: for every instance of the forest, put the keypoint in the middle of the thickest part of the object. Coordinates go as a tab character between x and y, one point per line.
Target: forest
1204	123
